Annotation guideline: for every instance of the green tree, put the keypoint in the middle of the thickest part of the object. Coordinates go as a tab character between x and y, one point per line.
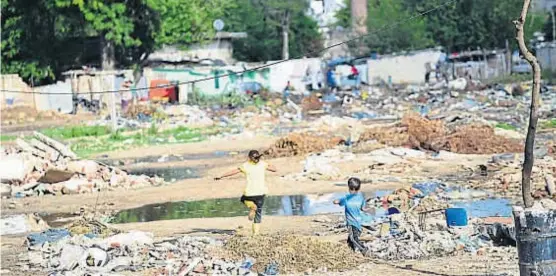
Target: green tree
32	35
265	31
115	22
385	38
468	24
42	38
381	36
343	16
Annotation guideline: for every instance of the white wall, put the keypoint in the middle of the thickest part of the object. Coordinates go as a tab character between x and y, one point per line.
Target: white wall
57	101
214	50
408	68
293	71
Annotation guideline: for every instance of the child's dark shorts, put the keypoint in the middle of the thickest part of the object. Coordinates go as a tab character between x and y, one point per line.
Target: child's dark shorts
259	202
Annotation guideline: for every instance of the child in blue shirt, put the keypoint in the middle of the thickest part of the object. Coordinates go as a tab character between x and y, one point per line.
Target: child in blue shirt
354	203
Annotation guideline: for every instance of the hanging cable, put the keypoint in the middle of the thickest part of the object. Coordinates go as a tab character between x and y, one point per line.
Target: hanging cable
383	28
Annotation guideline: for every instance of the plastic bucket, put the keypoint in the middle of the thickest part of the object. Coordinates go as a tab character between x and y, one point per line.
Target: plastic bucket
456	217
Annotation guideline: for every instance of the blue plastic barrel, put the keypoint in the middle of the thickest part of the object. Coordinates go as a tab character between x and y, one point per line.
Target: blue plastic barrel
456	217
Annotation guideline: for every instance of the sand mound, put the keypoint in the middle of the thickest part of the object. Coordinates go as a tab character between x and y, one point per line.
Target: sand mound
292	253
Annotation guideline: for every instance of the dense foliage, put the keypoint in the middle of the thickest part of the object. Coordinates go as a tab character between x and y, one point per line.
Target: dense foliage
461	25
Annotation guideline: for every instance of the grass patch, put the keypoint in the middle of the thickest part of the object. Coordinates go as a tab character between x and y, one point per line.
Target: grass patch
505	126
62	133
7	138
120	140
513	78
548	124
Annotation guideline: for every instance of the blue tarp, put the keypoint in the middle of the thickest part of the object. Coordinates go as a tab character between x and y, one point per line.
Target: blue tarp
50	236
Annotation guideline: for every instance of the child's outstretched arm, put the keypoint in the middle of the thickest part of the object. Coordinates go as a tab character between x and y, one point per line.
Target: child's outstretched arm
337	201
228	174
271	168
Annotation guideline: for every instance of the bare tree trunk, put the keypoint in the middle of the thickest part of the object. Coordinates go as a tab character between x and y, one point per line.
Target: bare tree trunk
285	36
108	54
530	140
285	43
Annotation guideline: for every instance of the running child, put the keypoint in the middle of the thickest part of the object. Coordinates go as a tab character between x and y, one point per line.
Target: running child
255	190
354	203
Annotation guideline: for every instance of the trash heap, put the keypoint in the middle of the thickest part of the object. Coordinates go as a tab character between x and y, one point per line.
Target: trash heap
405	240
45	166
504	176
319	166
65	252
189	115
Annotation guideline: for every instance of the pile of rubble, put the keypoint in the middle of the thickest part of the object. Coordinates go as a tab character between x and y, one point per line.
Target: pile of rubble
300	144
67	253
418	132
405	240
319	166
45	166
504	176
25	114
89	247
293	253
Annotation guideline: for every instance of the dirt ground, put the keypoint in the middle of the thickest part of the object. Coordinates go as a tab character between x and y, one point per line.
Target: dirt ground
205	188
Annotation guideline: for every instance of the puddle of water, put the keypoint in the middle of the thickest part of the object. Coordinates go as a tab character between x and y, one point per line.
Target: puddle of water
490	207
168	173
294	205
169	158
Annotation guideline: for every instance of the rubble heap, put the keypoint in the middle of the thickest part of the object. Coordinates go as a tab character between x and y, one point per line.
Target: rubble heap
301	144
24	114
44	165
504	176
407	241
292	253
417	132
133	251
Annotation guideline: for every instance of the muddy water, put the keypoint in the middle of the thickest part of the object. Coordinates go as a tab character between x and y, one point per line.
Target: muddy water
292	205
169	158
170	174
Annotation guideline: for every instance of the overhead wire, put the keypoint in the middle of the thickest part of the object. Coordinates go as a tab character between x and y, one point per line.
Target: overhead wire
383	28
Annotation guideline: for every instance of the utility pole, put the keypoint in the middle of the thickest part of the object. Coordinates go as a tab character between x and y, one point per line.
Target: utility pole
108	57
553	24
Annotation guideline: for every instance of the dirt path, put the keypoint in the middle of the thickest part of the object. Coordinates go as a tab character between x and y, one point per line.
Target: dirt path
206	188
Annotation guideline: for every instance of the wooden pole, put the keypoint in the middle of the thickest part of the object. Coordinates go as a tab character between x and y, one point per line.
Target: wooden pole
531	130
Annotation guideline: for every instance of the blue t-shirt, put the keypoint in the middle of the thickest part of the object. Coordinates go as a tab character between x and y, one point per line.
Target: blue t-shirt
353	204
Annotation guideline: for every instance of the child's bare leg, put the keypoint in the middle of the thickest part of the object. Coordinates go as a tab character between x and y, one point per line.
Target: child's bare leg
252	208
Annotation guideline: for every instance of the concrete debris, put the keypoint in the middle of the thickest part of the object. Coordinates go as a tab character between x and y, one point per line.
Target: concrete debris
133	252
30	173
319	166
505	176
19	224
405	240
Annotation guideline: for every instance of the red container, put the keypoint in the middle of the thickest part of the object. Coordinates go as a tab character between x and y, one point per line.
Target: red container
164	90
